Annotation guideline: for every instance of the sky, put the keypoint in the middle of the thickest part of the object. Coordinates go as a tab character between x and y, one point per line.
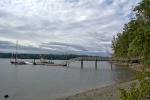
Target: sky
84	27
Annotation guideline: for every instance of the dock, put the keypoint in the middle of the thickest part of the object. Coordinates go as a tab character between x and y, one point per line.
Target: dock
50	64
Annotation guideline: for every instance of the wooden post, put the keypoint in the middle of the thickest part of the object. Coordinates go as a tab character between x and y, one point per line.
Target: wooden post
111	61
81	63
34	62
96	63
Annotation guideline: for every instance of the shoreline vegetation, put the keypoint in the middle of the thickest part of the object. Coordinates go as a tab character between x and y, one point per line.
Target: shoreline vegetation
137	67
109	92
133	66
132	42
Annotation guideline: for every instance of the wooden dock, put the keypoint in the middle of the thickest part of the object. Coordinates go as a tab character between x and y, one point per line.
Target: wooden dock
110	59
89	58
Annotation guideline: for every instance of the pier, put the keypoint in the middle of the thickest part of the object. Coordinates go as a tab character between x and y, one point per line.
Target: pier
110	59
90	58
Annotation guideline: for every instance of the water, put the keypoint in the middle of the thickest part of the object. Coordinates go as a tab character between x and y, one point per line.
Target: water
38	82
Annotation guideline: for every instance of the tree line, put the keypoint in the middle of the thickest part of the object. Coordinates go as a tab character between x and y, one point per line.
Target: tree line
134	41
38	56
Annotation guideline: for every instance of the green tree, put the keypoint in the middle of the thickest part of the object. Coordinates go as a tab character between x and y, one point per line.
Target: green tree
135	42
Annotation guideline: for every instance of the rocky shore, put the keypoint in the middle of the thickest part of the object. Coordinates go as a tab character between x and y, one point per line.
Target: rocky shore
106	93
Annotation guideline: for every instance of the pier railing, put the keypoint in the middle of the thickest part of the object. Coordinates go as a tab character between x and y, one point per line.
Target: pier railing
91	58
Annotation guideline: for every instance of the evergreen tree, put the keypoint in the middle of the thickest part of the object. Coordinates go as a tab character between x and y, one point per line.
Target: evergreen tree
134	41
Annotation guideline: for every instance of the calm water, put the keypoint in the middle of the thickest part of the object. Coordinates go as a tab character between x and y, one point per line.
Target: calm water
38	82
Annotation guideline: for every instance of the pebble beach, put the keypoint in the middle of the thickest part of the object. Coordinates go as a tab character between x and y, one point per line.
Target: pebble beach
105	93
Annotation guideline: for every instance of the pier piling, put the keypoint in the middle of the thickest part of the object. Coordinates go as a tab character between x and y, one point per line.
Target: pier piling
81	63
96	63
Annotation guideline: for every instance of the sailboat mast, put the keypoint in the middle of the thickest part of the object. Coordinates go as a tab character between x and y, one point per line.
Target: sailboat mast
16	50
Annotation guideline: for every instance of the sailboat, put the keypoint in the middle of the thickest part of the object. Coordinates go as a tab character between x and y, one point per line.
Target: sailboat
16	62
43	61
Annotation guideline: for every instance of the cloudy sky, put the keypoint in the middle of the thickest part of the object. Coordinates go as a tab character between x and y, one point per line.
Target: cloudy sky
62	26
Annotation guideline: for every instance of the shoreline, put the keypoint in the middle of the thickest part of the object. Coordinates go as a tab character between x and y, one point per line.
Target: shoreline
109	92
105	93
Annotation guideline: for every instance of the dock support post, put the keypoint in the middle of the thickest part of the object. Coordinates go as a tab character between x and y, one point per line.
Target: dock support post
96	63
34	62
111	62
81	63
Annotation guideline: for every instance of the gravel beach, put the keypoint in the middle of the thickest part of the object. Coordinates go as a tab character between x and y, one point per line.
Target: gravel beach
105	93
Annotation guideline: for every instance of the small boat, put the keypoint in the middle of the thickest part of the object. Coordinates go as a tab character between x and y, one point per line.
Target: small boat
46	62
16	62
29	62
43	61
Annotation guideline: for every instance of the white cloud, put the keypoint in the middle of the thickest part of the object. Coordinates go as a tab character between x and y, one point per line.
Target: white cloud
85	25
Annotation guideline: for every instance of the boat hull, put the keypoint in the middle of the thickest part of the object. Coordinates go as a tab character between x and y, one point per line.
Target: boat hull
18	62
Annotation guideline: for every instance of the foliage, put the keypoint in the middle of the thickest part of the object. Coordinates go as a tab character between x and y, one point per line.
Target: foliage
133	94
134	41
129	43
138	92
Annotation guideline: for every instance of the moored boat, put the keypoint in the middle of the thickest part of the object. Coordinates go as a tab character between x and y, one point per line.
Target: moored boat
29	62
16	62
